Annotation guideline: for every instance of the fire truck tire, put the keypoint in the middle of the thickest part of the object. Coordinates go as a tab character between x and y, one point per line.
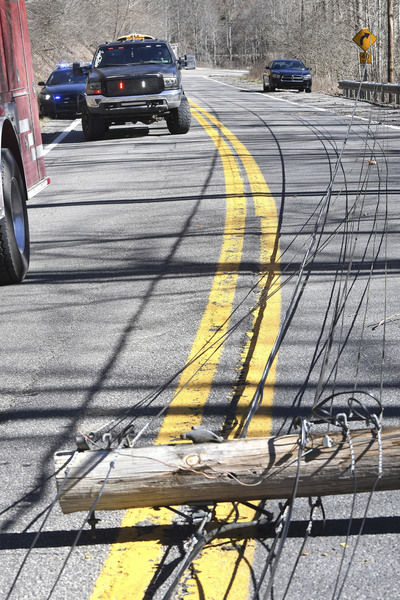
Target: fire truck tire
14	227
93	127
178	121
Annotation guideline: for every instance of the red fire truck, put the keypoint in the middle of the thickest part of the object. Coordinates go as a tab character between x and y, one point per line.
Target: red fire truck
22	163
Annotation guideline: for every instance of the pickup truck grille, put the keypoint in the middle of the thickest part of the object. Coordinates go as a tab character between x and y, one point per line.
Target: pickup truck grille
292	78
136	86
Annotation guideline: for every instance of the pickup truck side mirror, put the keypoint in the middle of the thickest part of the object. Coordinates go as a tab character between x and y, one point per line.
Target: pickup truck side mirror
190	61
187	62
41	83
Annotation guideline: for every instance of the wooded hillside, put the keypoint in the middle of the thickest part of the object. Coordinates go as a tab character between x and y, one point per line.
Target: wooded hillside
243	33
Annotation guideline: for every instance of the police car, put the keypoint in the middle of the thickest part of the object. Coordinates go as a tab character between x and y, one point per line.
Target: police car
64	91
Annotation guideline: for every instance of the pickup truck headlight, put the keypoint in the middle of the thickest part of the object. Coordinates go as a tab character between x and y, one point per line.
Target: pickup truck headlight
170	82
93	88
308	76
45	95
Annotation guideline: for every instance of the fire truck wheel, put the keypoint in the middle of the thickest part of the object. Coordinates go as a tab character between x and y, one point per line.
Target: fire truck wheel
14	228
93	127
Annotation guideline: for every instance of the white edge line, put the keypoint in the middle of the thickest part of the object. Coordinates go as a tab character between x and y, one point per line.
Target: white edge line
60	137
264	95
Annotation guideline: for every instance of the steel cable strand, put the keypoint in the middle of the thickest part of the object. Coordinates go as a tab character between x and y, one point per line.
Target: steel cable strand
370	233
84	523
90	512
278	526
258	393
323	211
268	127
346	431
48	512
154	396
317	504
360	212
195	551
378	430
342	347
318	349
276	559
357	312
293	303
379	460
345	220
327	349
153	284
340	304
26	497
283	191
297	400
349	527
378	476
162	388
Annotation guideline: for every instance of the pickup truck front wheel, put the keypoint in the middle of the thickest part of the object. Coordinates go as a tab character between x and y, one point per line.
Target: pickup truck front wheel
14	228
178	121
93	127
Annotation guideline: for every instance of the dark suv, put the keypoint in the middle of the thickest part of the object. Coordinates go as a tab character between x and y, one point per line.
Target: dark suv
287	74
135	81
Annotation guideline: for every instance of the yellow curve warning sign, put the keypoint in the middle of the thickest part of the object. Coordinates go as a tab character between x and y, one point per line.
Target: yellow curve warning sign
364	39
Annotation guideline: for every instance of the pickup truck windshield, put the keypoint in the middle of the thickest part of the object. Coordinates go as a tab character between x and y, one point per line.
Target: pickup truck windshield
132	54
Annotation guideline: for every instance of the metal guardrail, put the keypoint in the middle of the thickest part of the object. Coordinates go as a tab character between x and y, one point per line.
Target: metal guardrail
385	93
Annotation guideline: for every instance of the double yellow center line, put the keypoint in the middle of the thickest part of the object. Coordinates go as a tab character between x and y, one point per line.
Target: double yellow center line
131	567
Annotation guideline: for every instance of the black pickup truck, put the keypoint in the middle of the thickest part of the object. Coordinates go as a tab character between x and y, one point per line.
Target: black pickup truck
135	81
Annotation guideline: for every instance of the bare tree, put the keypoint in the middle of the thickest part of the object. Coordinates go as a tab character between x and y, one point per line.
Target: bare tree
221	32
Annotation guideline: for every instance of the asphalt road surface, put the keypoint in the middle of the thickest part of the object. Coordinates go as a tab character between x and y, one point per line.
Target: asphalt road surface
269	230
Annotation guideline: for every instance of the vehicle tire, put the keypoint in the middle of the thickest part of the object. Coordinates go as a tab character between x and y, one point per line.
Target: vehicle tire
178	121
14	226
93	127
272	88
308	90
266	88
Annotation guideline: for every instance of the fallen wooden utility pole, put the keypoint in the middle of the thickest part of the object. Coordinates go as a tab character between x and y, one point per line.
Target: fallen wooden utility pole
244	469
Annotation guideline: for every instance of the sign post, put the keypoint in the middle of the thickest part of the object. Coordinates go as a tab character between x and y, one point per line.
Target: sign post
364	40
365	58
